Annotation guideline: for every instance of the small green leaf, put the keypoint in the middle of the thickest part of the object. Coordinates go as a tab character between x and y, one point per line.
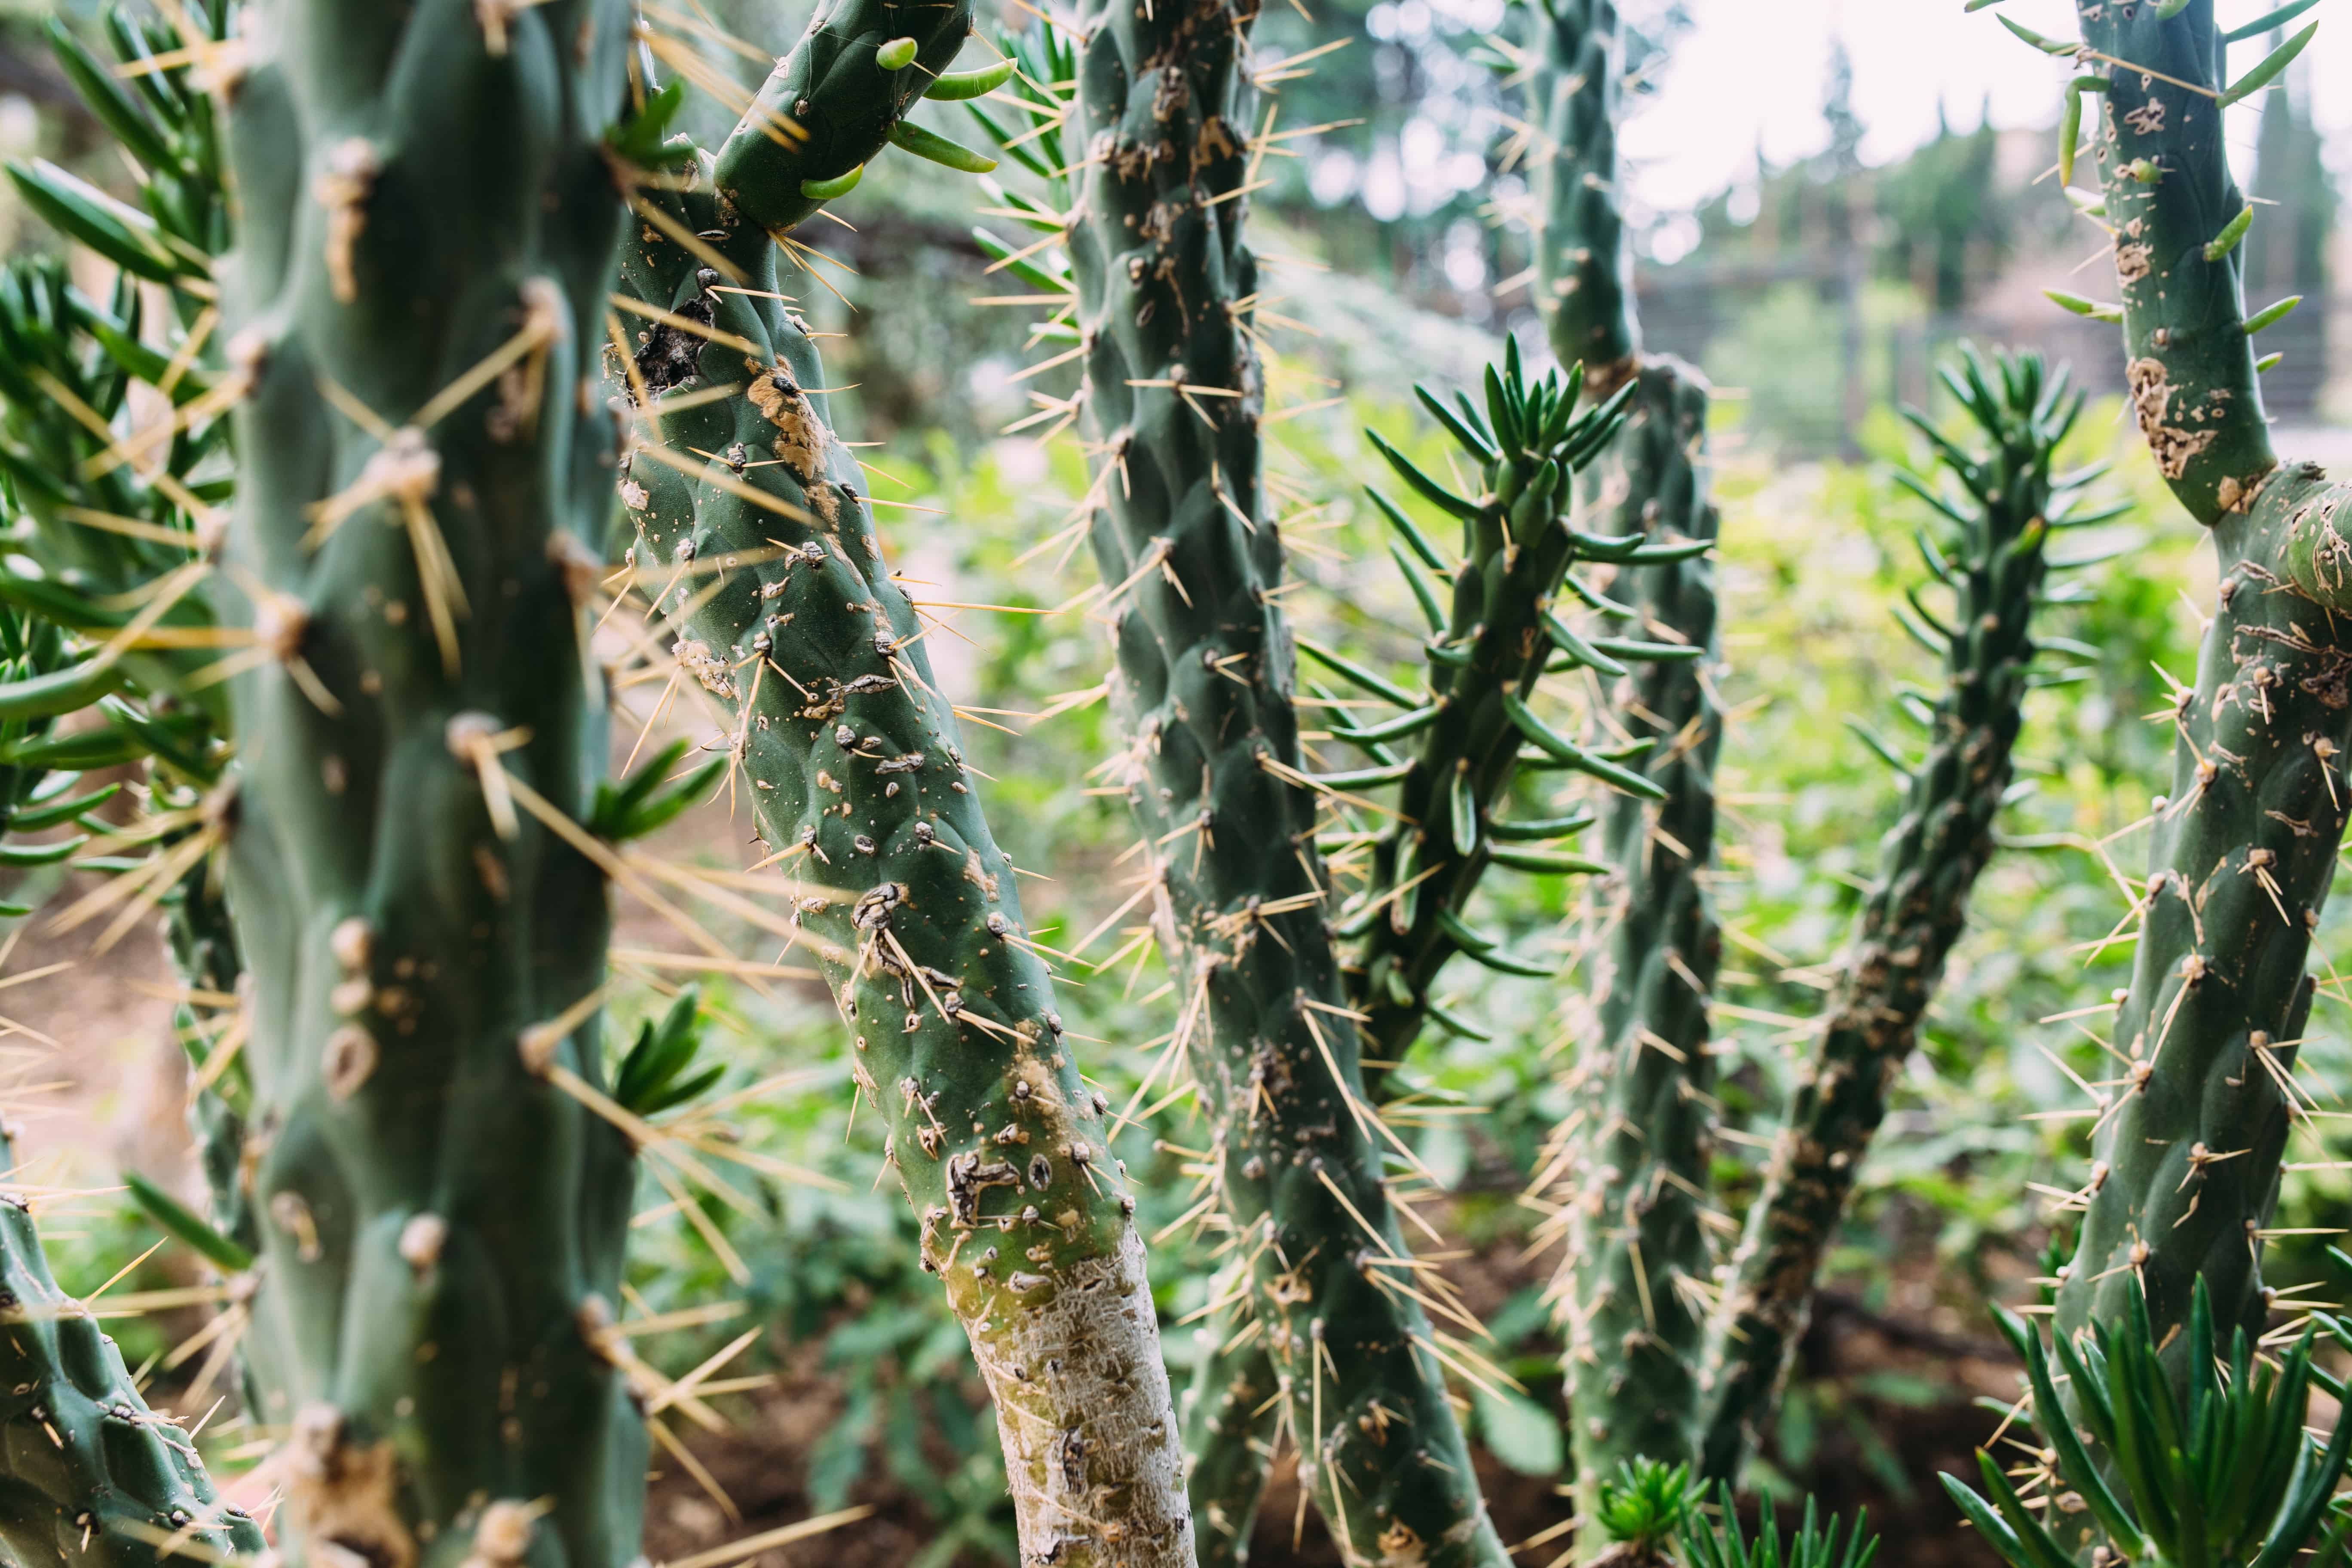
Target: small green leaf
1547	862
2271	315
1430	490
1462	811
839	186
896	55
1410	533
2047	46
1520	1433
124	235
909	137
2070	132
957	86
1393	729
2091	309
2266	21
1453	1023
186	1226
2262	74
2222	243
1339	663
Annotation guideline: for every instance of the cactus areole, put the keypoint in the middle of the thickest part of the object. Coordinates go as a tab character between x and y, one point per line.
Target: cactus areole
427	229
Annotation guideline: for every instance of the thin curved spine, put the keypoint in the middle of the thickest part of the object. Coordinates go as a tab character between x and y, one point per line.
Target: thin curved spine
444	1187
2187	1149
1205	692
1917	905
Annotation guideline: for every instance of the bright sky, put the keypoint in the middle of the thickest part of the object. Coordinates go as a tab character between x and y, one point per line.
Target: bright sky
1752	67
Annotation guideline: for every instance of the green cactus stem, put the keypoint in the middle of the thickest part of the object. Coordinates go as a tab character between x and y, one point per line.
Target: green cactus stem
1639	1144
1584	253
89	1474
443	1191
785	613
2186	1149
1479	736
1205	692
1637	1260
1995	566
836	99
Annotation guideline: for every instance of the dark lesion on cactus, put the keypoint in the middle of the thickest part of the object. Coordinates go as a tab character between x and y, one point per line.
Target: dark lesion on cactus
669	356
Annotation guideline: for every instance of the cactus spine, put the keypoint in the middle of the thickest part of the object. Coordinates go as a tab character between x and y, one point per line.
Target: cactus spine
1918	906
1632	1284
428	230
768	563
1164	283
2188	1147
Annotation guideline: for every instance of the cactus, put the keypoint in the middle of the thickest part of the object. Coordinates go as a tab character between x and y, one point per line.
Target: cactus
2188	1146
89	1474
767	561
1477	732
1637	1144
2221	1471
1163	290
805	644
1995	564
444	1187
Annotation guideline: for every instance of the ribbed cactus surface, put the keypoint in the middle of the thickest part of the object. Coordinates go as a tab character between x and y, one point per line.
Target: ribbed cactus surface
428	230
2187	1147
89	1474
1636	1267
754	535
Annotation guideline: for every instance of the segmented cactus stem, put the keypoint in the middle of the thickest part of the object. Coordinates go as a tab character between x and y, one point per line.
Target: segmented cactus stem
1917	905
90	1475
1639	1141
768	566
766	561
2186	1149
1205	692
1633	1279
444	1189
